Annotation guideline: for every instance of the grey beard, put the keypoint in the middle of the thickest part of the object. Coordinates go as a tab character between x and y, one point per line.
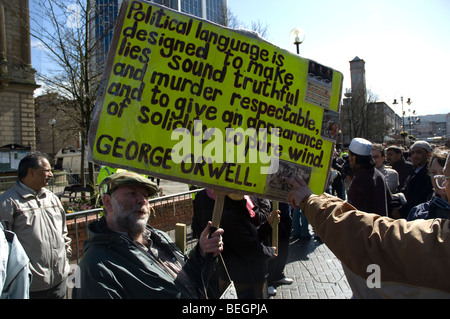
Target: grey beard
127	221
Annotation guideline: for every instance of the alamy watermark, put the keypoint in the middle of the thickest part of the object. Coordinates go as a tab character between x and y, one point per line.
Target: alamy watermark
374	279
235	145
74	279
74	19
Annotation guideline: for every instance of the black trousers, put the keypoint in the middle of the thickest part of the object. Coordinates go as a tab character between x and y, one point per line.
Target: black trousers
56	292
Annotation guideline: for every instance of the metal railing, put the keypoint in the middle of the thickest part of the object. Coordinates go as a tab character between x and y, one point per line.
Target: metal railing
85	214
161	204
56	184
157	202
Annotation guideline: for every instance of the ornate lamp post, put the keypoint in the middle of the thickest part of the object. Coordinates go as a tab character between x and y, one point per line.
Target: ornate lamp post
403	133
297	37
52	123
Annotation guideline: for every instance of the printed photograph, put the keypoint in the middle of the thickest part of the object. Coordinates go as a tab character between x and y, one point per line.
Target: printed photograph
276	183
330	125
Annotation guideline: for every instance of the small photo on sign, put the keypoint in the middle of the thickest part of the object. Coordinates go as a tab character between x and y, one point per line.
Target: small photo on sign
330	124
277	185
319	84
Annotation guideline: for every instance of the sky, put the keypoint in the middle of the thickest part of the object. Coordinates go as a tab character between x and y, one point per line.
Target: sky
405	44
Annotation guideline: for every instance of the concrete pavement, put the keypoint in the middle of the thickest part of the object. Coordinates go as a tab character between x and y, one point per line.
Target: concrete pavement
317	273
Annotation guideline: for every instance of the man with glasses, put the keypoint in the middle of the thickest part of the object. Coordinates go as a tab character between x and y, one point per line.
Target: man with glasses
418	187
441	181
391	175
437	206
37	217
447	176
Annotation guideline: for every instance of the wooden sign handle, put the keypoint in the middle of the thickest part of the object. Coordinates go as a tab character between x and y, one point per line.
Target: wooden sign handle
218	208
275	229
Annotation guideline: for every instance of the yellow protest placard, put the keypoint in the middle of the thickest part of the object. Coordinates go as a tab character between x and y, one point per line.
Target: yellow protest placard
192	101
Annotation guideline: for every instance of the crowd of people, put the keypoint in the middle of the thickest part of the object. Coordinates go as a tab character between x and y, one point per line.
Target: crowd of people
384	206
409	246
389	180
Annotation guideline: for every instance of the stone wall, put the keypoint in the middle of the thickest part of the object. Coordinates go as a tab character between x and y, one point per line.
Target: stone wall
17	116
17	82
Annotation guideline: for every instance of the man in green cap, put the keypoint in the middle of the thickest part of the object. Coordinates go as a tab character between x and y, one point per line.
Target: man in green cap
126	258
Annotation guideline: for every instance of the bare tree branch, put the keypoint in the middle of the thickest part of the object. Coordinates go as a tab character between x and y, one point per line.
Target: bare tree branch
66	30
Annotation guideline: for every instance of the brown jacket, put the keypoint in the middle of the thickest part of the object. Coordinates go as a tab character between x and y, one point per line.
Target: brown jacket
413	257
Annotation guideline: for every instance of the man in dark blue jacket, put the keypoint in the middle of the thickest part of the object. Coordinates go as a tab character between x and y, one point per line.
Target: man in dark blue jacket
418	187
395	158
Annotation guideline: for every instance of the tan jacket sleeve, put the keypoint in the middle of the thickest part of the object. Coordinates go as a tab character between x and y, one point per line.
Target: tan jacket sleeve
414	253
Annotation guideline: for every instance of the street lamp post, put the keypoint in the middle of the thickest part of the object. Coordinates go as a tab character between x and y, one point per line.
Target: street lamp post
297	36
411	120
403	118
52	123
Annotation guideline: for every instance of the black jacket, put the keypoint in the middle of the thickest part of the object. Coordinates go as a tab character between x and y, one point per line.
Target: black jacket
368	192
244	253
418	189
113	266
404	169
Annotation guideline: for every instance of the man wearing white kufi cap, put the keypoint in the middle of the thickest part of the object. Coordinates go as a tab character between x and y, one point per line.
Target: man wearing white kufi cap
368	191
361	146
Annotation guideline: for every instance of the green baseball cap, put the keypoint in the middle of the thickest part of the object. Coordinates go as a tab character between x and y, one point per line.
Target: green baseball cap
112	182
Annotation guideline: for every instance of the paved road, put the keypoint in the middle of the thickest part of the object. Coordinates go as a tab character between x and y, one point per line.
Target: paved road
317	273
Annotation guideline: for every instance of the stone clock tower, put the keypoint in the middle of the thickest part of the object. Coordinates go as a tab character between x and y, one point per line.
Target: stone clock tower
358	80
17	82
